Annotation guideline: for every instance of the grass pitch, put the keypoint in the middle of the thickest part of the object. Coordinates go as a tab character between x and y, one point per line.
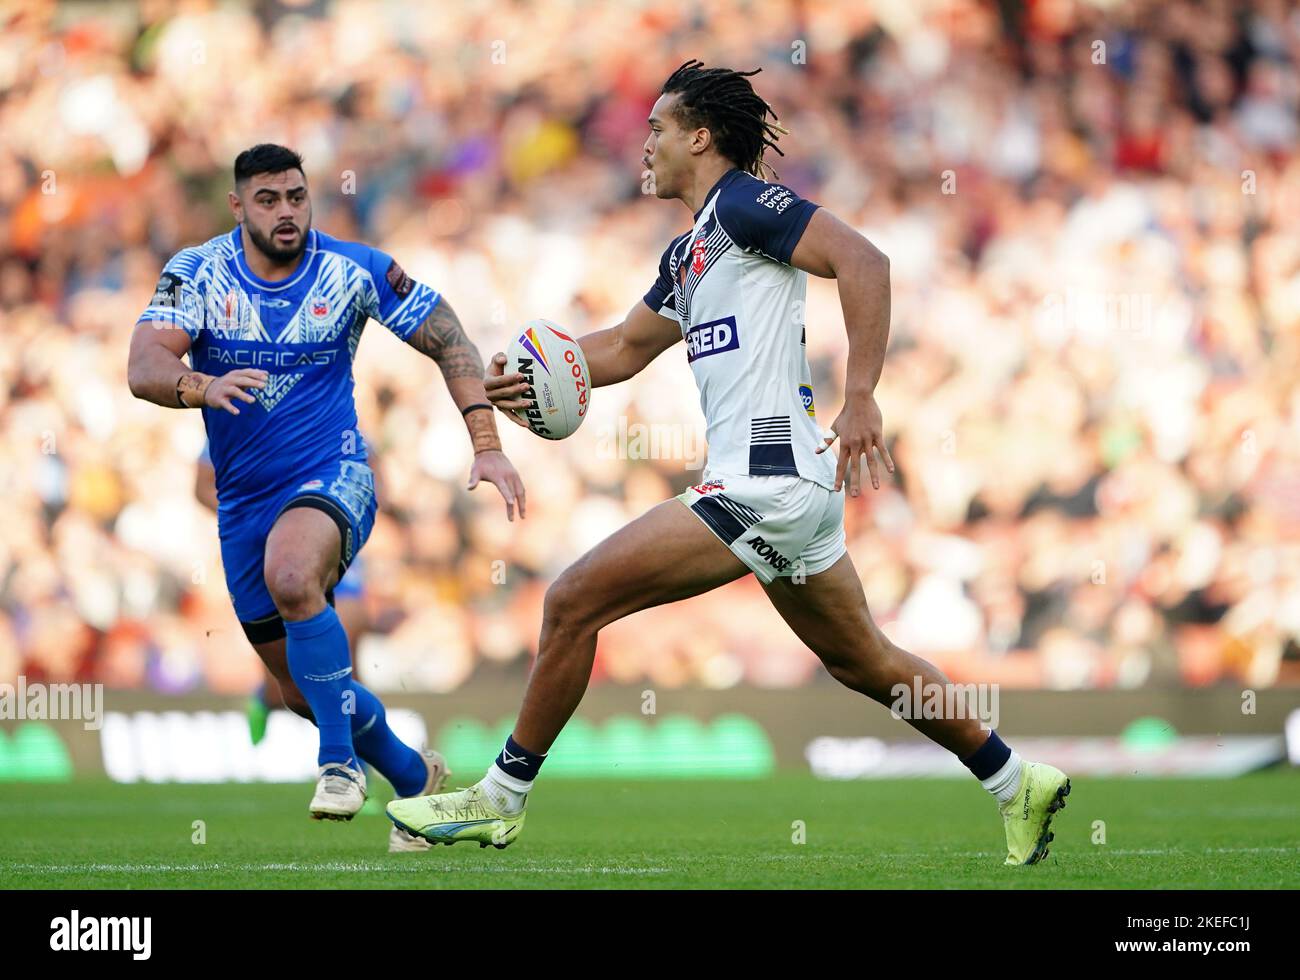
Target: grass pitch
1241	833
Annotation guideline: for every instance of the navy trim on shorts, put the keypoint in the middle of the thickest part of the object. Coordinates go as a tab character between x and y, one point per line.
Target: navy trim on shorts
270	628
725	517
327	506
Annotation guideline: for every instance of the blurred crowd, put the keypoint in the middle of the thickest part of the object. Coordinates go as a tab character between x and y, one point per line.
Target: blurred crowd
1093	217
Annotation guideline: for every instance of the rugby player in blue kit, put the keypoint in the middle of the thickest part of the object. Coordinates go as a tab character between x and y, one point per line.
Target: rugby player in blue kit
270	315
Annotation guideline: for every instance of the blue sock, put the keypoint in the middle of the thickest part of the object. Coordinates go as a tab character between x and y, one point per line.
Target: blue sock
321	666
519	764
985	761
375	742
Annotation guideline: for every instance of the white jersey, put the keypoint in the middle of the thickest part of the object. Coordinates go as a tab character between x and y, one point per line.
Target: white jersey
728	282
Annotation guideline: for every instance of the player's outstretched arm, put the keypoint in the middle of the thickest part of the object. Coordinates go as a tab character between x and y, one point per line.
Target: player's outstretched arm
442	338
831	249
156	373
612	355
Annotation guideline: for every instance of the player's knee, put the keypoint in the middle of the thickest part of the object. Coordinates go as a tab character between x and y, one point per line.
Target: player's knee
296	594
567	604
871	667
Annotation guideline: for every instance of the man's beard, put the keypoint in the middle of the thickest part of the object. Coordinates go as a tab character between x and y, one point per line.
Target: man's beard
279	254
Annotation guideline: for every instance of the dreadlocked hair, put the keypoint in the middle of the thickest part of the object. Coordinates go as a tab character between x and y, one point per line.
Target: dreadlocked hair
724	102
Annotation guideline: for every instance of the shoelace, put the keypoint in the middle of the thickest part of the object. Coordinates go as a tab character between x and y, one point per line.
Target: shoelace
337	780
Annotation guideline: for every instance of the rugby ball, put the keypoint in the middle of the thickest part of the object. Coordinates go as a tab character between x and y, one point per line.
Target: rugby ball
555	370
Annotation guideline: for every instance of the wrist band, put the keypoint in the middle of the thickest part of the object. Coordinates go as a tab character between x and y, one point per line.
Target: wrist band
474	408
202	391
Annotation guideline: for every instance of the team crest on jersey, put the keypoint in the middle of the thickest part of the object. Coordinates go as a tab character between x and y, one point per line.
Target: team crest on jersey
697	256
711	487
320	307
230	316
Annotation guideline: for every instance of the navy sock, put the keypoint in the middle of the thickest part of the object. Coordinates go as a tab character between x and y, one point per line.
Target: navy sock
321	666
375	742
988	758
517	762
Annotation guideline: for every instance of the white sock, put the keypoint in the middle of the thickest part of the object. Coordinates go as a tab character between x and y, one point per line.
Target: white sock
504	791
1004	783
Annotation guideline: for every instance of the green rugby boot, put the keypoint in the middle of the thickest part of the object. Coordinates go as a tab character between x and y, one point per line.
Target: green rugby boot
257	713
1028	815
448	818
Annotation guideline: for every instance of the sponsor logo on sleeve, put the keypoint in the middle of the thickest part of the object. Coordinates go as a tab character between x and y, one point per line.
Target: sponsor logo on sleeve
806	396
398	279
776	198
168	290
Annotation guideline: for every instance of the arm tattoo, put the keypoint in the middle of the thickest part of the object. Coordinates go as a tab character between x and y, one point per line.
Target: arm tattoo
442	338
483	431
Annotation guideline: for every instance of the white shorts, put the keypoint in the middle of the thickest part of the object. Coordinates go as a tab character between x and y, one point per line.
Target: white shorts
777	525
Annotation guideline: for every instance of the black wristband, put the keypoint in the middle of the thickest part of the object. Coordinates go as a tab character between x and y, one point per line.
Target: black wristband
474	408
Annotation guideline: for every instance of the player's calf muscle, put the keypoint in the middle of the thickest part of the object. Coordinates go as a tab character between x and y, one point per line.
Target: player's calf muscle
275	657
663	556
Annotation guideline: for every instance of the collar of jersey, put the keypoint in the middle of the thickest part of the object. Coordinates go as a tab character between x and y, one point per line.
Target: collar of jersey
714	189
267	285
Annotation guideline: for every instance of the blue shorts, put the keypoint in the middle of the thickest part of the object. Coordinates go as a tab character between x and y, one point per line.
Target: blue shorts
344	491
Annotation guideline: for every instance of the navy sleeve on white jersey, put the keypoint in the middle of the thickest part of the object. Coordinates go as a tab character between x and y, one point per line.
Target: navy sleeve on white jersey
763	217
662	298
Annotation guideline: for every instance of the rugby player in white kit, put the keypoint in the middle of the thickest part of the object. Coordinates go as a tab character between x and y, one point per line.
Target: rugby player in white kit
772	499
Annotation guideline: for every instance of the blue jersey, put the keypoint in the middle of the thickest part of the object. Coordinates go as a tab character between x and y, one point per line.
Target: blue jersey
303	331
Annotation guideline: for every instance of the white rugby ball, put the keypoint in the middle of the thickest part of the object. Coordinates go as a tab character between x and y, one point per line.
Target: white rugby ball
555	369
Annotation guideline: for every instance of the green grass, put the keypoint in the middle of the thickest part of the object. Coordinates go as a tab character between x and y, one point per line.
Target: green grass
1242	833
